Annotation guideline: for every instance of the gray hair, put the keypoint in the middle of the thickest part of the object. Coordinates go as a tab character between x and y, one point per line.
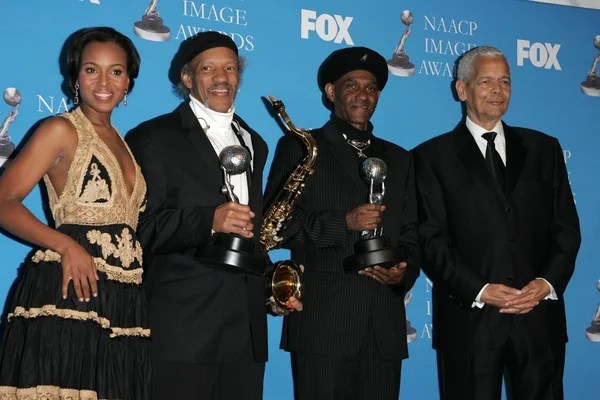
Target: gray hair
182	91
465	64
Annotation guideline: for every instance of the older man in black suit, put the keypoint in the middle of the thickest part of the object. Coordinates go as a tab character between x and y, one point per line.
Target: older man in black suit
500	235
350	340
209	328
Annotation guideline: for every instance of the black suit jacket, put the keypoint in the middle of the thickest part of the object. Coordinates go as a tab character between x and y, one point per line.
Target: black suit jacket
472	234
340	308
197	313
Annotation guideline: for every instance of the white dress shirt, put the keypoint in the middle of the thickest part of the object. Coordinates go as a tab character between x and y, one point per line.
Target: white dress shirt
500	144
220	133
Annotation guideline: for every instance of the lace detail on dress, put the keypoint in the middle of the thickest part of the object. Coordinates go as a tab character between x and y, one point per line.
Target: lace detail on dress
96	188
46	255
124	249
52	310
82	207
45	393
112	272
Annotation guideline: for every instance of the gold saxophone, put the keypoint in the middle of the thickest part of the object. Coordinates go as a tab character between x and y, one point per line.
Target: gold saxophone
287	279
281	208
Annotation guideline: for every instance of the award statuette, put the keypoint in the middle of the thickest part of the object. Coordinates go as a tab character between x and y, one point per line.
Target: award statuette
228	249
373	248
151	26
593	331
591	85
411	333
399	64
12	97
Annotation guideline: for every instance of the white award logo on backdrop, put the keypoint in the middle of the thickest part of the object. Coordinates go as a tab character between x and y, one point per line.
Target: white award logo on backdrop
567	154
91	1
411	333
573	3
591	85
593	331
540	55
328	27
399	64
211	13
449	38
151	26
12	97
52	105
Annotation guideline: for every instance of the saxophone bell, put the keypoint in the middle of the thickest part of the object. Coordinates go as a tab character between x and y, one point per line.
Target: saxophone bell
283	282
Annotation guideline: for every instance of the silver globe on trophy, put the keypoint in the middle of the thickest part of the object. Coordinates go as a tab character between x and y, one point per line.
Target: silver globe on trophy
151	26
373	248
12	97
593	331
411	333
399	64
228	249
591	85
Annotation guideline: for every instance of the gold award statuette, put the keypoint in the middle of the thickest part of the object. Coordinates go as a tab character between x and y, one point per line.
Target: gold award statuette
286	280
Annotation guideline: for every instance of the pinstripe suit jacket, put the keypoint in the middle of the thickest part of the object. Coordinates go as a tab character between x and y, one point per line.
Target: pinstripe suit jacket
340	308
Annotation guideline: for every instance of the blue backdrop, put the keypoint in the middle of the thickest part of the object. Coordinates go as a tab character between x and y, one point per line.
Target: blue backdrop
549	45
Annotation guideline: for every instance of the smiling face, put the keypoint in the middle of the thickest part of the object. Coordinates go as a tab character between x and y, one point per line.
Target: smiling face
102	76
487	93
214	79
354	96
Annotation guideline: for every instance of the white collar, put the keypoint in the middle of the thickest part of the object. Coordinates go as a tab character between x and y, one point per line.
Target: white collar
218	123
477	131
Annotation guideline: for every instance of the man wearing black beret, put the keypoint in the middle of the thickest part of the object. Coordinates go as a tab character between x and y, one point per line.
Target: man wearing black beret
350	340
209	328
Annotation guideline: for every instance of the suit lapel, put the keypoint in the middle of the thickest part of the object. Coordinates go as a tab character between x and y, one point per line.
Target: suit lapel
259	148
515	158
200	141
339	149
470	155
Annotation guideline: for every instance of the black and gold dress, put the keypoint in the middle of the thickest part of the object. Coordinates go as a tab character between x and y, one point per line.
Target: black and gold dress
56	348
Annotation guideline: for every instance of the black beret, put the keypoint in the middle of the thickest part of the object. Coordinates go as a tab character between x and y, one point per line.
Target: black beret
340	62
204	41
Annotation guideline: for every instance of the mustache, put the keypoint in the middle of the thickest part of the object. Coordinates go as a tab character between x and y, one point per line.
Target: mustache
221	86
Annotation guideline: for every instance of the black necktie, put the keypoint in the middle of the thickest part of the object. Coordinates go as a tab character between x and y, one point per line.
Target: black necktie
493	159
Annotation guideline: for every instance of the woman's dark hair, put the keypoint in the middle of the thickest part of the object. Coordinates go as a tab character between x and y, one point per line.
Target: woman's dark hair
103	35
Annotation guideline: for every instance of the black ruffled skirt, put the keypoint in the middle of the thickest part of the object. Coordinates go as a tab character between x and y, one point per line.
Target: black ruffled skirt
56	348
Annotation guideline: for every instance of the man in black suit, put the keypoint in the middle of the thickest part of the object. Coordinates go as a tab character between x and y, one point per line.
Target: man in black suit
499	234
350	339
209	328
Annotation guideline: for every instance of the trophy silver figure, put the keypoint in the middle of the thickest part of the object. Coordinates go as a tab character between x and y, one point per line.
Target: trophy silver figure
374	248
151	26
374	172
593	331
591	85
12	97
228	250
411	333
234	161
399	64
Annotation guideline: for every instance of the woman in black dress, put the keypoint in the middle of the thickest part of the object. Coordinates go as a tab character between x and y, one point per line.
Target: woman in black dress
78	327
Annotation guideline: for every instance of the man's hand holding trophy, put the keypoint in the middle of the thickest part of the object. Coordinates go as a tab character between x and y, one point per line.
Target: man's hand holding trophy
374	256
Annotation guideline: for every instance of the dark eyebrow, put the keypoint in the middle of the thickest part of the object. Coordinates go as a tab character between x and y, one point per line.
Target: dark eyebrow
94	64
